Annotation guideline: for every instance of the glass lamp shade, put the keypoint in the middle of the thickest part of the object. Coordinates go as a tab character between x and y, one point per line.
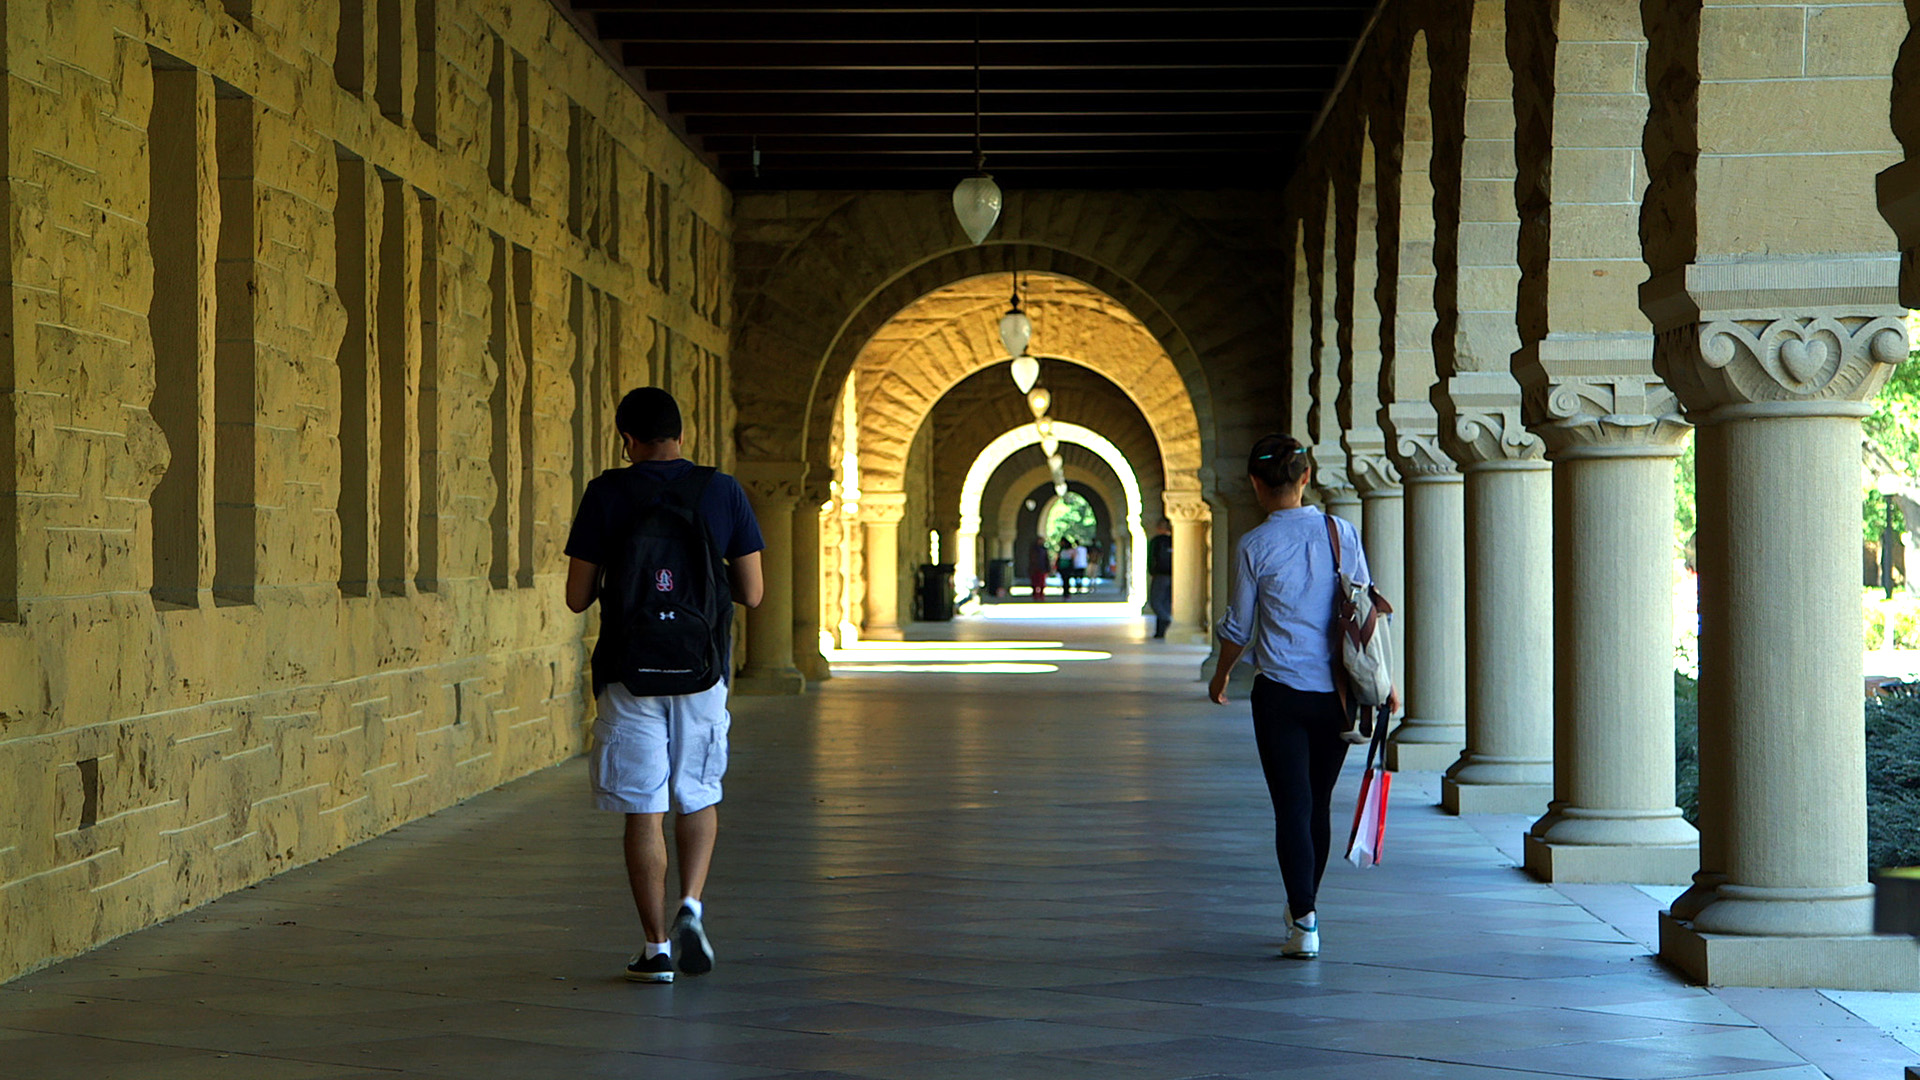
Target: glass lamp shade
1038	399
1015	331
1055	463
976	202
1050	445
1026	371
1060	488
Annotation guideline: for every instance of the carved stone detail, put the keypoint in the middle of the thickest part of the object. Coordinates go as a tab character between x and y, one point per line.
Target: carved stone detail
1608	411
1375	473
1413	430
773	483
1188	506
1483	408
1329	462
1790	358
1791	333
883	507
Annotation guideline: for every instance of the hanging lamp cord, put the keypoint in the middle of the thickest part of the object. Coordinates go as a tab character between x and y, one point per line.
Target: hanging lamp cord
979	154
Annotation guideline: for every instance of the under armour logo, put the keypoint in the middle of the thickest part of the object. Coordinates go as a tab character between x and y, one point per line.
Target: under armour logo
663	580
667	616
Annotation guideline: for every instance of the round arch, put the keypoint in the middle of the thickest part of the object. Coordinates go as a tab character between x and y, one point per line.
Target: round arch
1010	443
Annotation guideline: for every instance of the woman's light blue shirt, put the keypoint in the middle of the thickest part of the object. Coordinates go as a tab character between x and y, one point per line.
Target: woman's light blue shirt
1282	597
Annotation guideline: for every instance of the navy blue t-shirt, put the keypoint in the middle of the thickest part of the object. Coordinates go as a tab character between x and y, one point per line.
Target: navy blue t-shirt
608	506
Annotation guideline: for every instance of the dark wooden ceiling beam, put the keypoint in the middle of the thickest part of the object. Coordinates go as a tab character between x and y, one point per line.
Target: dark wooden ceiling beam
1002	126
1298	55
961	164
1061	104
1060	28
1026	80
1001	146
1168	178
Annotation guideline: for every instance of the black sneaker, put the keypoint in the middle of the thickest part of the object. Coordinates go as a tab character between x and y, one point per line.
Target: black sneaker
657	970
690	941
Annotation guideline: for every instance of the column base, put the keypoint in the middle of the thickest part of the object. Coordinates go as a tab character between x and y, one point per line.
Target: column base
1421	756
1863	962
882	633
1612	864
778	681
1458	798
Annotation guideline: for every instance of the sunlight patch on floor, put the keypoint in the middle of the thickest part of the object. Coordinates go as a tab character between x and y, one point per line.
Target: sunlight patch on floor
960	657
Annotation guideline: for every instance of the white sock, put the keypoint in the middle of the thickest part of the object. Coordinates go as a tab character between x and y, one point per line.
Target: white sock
698	909
657	948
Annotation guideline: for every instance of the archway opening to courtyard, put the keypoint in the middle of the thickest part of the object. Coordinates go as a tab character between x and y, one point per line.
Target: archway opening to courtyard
934	449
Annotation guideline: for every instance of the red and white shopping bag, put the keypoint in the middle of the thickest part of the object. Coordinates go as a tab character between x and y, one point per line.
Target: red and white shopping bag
1370	816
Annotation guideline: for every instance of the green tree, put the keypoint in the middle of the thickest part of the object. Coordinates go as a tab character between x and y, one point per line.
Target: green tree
1069	515
1893	431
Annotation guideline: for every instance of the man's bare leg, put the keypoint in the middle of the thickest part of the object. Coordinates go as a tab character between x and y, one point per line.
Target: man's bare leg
693	836
646	848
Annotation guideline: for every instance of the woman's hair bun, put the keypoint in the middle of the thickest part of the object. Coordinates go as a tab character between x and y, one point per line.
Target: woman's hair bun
1278	461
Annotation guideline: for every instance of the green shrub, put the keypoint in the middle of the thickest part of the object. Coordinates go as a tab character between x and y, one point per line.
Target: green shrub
1686	746
1875	626
1893	771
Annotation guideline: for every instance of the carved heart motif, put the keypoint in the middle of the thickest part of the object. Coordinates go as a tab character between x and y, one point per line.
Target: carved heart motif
1803	359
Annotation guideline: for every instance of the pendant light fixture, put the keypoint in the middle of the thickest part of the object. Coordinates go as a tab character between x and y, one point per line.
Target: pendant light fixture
1026	371
1016	330
1039	400
976	200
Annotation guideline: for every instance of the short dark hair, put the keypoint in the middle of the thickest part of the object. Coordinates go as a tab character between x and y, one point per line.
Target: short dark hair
649	414
1278	461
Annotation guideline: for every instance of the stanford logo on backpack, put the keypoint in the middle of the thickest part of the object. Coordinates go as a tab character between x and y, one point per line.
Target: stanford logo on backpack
667	602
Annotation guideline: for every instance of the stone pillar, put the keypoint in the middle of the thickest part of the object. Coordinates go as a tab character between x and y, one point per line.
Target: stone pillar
806	584
1613	816
1778	395
773	489
1434	621
1611	429
1383	521
1507	764
1338	496
1188	513
881	513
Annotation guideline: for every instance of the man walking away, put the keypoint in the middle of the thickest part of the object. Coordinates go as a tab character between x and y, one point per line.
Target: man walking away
667	548
1160	577
1080	565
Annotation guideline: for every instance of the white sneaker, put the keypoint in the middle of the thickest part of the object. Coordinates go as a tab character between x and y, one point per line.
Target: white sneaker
1302	943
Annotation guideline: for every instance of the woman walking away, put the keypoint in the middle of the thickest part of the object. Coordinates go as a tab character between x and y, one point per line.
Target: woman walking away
1281	606
1039	565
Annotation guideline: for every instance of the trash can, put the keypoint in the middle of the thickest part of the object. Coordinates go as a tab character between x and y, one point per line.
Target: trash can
999	576
933	592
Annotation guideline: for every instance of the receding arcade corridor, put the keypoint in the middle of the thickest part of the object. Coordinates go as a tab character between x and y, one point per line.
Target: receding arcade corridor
934	873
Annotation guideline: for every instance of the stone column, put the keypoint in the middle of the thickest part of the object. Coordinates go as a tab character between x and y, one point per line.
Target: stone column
1338	496
881	513
1777	395
1383	521
773	489
1612	430
1507	764
1434	622
1188	513
806	583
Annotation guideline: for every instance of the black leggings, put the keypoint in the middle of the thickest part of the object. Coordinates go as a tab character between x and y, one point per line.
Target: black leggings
1301	752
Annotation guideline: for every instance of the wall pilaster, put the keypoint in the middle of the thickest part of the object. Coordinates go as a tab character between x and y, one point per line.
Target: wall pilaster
773	489
880	514
806	582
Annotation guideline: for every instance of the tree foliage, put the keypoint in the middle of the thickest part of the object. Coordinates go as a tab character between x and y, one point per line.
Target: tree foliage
1069	515
1893	429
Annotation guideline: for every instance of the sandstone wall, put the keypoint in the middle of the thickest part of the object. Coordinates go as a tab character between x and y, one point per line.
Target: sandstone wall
315	317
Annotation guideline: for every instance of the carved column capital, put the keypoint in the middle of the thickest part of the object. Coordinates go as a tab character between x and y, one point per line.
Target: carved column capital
1368	466
1481	420
1595	395
1330	477
883	507
1185	506
772	484
1413	430
1814	336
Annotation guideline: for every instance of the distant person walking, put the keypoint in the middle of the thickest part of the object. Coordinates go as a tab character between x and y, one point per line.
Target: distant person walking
1160	577
667	548
1281	605
1080	565
1063	562
1039	566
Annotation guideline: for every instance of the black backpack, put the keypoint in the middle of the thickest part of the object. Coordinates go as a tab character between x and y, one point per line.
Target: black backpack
666	606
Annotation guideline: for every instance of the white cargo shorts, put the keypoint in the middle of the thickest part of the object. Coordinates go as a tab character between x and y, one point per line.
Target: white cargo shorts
641	745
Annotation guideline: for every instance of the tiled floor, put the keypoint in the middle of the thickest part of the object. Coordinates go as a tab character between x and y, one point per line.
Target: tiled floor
978	869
